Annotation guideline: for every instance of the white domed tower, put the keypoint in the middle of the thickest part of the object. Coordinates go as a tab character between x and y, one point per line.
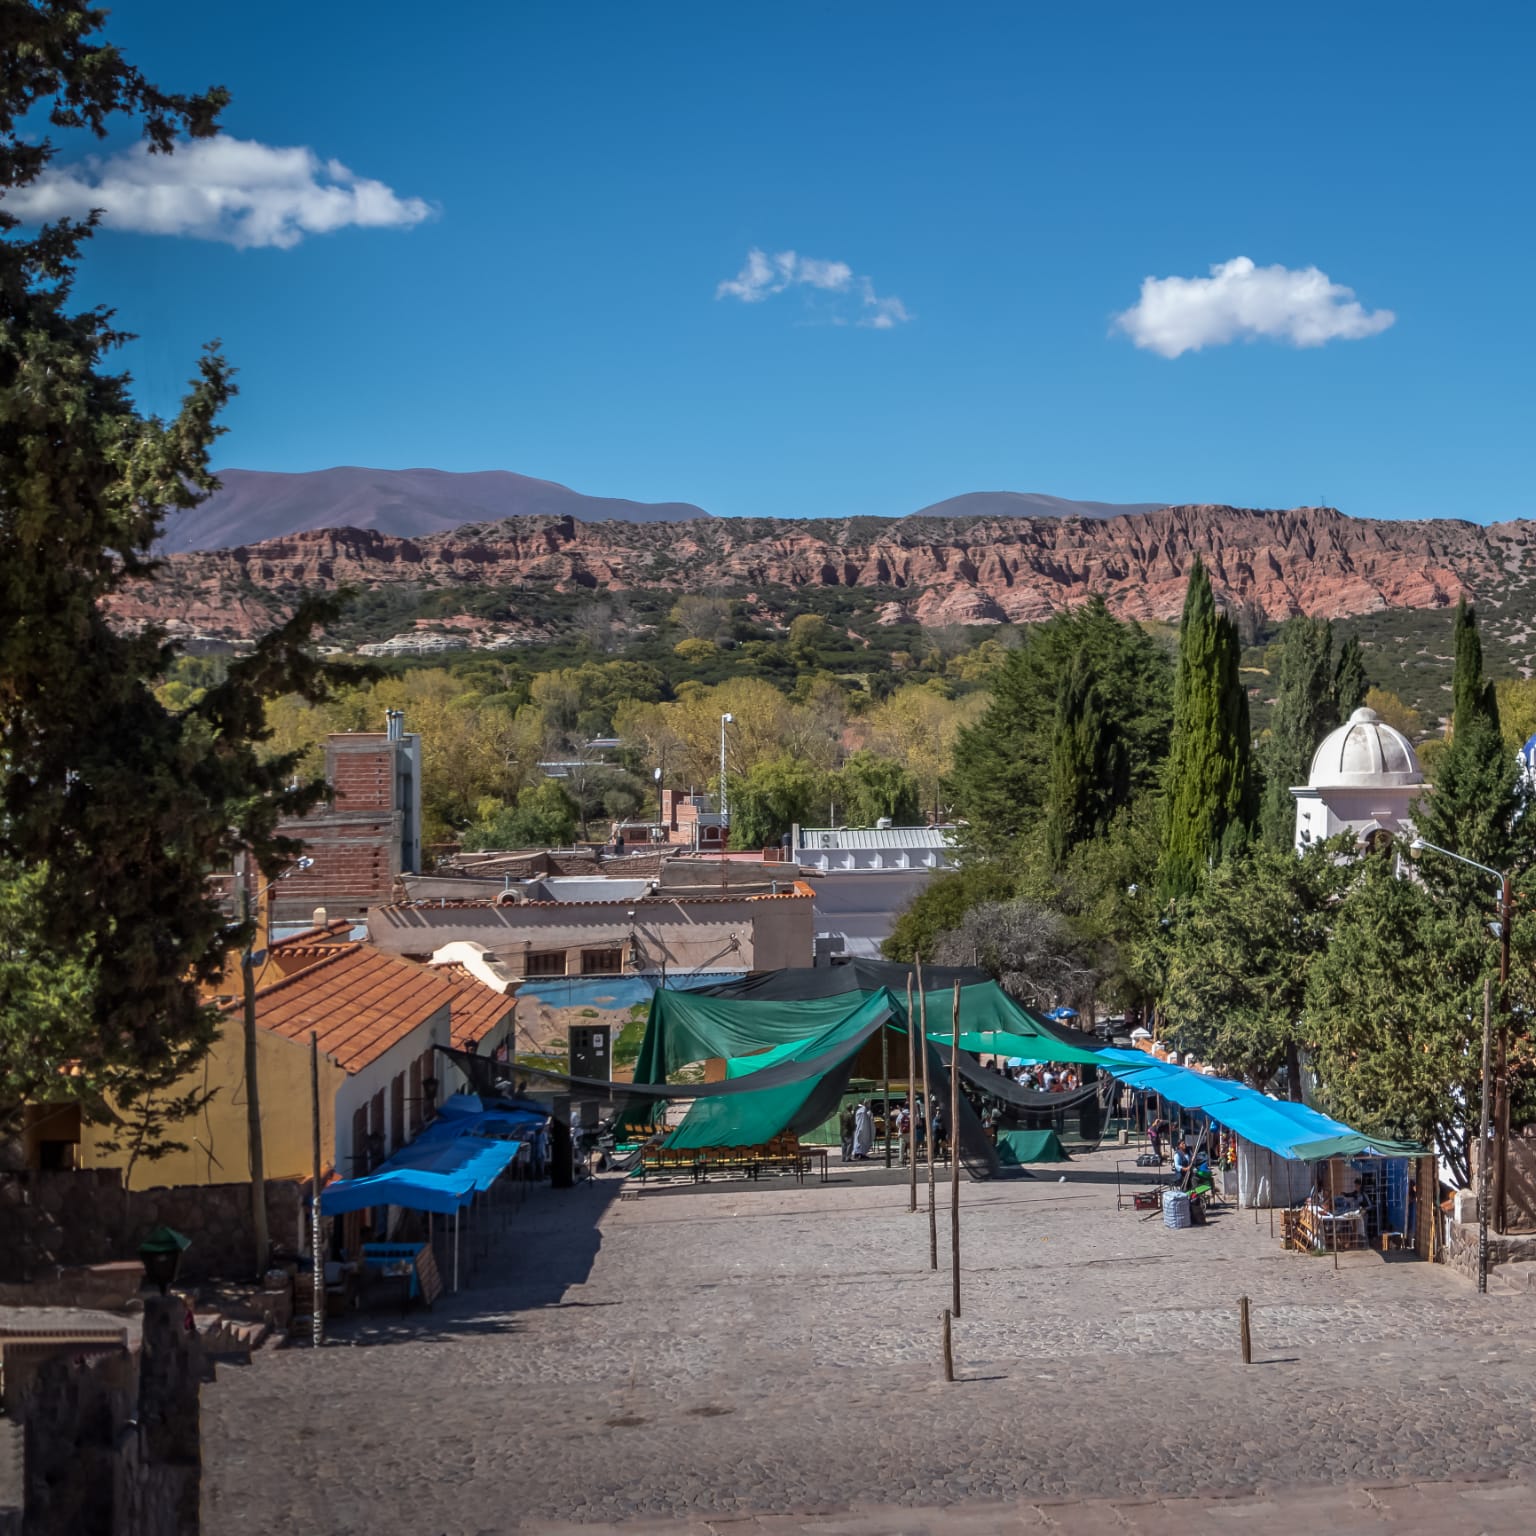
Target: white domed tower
1364	778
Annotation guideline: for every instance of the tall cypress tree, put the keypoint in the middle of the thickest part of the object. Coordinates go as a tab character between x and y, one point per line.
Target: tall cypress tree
1305	711
1476	806
1349	679
1209	775
1089	766
1472	694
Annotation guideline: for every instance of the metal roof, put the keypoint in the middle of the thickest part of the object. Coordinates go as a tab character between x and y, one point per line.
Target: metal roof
834	838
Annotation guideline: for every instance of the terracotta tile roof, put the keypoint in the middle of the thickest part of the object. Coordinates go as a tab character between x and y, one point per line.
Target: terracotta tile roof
477	1008
337	931
359	1001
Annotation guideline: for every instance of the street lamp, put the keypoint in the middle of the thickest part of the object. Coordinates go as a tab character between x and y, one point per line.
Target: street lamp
252	1090
1418	845
725	815
656	775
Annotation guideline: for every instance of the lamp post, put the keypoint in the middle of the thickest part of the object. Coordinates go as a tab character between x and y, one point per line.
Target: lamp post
252	1080
725	815
660	818
1506	902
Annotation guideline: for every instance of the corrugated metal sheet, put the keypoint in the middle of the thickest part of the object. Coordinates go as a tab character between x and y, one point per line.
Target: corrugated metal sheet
833	839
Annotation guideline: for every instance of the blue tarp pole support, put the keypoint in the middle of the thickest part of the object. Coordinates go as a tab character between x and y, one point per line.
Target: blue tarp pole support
455	1250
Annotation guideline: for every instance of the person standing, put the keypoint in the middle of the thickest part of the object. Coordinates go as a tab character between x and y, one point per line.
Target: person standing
845	1126
863	1132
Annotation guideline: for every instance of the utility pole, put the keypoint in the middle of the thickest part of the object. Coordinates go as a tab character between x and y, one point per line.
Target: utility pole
317	1256
1482	1145
252	1091
1501	1103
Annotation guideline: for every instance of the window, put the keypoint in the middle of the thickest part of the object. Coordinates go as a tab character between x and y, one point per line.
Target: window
397	1112
360	1141
545	962
602	962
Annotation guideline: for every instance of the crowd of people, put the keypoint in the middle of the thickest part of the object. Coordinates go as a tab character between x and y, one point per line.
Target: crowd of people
857	1126
1045	1077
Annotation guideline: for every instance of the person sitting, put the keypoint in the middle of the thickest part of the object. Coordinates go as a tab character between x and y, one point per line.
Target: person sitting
1181	1159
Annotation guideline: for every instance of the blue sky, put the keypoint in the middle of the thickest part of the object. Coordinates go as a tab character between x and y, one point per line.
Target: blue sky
1005	175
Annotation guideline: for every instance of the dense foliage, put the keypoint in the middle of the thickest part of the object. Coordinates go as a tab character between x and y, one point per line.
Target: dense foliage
115	803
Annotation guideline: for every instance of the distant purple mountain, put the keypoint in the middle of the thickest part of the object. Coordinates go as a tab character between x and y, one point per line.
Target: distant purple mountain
989	504
259	504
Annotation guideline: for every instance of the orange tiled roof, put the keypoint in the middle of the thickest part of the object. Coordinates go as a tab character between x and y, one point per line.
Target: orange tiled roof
359	1001
477	1008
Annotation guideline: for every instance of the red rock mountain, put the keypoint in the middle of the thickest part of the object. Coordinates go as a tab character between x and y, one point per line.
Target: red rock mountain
937	570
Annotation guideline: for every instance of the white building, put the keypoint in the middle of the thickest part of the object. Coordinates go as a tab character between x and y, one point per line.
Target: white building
1364	778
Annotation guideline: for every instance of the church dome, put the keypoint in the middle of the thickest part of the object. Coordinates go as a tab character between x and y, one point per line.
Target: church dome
1364	752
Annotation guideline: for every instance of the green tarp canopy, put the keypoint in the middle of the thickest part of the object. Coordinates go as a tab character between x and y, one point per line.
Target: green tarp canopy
749	1119
809	1044
1017	1147
1356	1144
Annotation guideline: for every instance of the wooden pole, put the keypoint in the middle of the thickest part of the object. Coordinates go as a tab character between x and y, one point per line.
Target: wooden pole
933	1215
954	1158
911	1103
317	1331
885	1086
949	1350
1242	1315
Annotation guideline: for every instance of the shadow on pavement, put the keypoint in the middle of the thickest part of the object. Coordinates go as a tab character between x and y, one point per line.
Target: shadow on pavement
520	1259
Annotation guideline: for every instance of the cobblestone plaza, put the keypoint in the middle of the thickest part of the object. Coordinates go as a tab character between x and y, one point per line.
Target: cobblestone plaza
765	1358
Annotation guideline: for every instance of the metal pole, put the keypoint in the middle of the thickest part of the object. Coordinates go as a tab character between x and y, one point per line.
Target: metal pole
455	1250
954	1158
317	1331
885	1086
1333	1215
911	1103
933	1215
1482	1145
252	1090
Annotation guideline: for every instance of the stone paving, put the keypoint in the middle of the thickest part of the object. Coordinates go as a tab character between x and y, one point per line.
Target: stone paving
766	1359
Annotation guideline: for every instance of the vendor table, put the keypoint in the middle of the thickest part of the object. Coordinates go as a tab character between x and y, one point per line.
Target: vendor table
1330	1232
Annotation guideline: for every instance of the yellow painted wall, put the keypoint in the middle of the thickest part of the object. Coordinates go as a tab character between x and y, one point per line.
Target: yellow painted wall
216	1136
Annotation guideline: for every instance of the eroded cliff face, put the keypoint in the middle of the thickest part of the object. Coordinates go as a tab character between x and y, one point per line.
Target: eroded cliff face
1309	560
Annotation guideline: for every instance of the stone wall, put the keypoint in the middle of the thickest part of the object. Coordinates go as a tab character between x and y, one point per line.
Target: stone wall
1460	1249
109	1441
86	1217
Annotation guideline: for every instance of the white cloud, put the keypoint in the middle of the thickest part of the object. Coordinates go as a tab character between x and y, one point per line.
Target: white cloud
1239	302
235	190
763	275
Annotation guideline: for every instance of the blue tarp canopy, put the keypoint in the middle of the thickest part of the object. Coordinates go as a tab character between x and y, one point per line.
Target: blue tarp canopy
441	1175
1291	1130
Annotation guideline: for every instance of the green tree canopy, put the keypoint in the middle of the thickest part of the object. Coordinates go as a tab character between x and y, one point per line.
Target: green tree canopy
115	806
1089	769
1240	956
869	787
941	905
1209	780
1002	772
544	816
1350	679
766	802
1306	709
